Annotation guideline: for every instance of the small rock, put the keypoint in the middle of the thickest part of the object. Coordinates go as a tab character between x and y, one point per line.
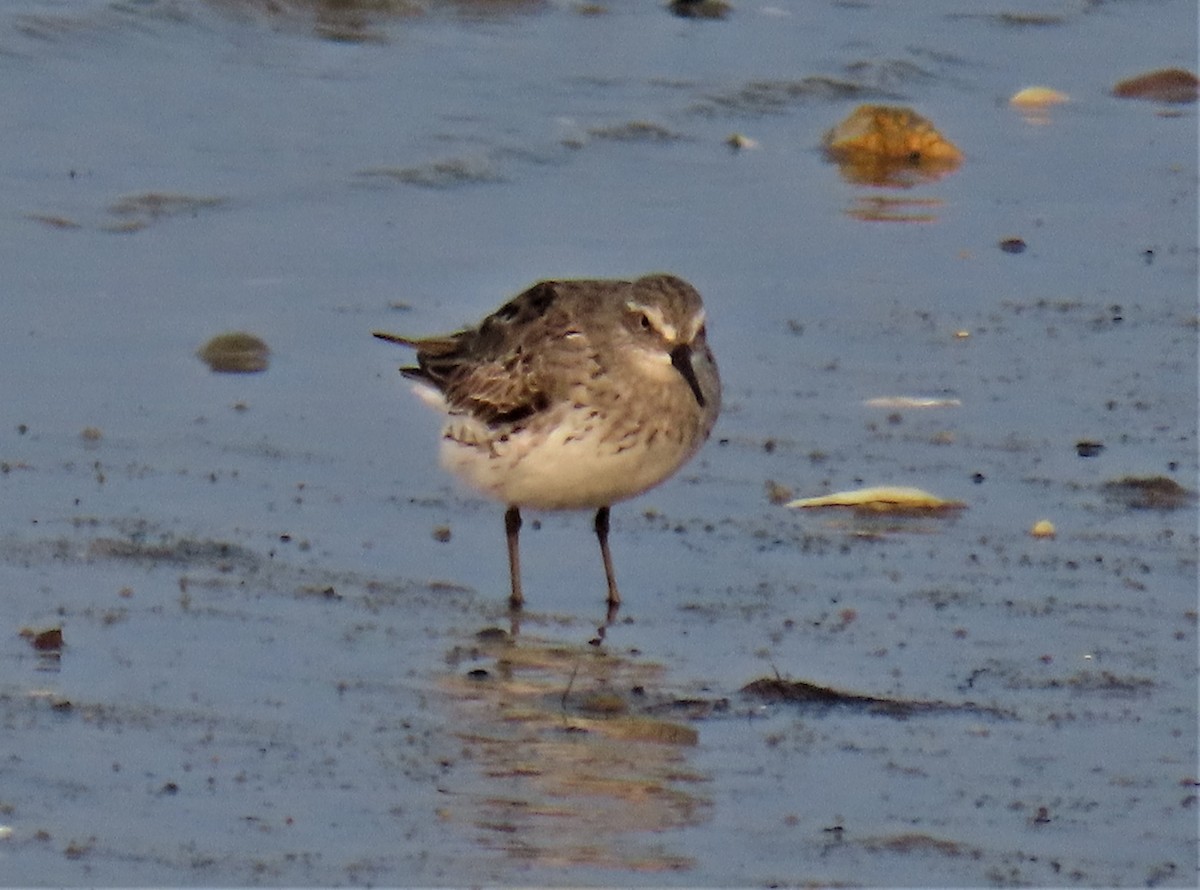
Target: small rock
235	353
890	145
47	640
1163	85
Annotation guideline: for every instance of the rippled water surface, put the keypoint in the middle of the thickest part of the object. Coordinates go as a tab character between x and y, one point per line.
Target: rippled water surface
286	657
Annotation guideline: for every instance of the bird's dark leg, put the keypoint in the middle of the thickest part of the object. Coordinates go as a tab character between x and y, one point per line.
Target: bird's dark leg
512	529
614	597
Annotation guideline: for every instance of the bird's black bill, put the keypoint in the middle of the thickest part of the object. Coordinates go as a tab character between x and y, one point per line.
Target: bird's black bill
681	358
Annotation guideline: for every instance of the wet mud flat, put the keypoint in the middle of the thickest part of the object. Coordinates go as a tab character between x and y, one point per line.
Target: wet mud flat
230	711
251	635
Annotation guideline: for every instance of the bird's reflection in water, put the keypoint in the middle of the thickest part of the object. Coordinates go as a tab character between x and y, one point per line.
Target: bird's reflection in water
569	762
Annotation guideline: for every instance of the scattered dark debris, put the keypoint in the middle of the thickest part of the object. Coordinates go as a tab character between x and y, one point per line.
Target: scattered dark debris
319	591
777	493
337	21
79	849
54	221
135	212
919	843
776	96
175	550
1027	19
493	635
441	533
443	174
798	692
1099	681
441	585
49	639
700	9
1013	245
882	73
158	204
1088	448
1148	493
1084	682
48	644
635	131
687	708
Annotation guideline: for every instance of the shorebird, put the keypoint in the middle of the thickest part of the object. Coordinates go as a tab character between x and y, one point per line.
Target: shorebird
575	394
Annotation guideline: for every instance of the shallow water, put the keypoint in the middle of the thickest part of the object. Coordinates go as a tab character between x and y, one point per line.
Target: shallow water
271	671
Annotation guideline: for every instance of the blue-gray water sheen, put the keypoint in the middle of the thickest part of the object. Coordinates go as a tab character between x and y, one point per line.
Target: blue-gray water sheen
272	599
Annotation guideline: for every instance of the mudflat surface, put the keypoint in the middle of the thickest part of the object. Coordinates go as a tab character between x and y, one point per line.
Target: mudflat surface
285	656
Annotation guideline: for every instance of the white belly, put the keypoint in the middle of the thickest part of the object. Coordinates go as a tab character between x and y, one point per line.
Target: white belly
566	467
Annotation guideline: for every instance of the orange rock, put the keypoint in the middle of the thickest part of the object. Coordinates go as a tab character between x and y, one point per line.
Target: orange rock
890	145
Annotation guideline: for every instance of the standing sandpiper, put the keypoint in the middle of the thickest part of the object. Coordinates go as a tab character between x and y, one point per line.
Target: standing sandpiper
573	395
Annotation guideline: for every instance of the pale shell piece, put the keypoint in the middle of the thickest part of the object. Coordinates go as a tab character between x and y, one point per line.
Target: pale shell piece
911	402
1038	97
1043	528
882	498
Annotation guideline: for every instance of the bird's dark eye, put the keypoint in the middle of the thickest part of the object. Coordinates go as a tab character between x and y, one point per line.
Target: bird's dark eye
646	324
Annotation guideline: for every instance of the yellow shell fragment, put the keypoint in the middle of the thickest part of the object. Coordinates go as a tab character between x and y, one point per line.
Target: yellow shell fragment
882	499
1043	528
1038	97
